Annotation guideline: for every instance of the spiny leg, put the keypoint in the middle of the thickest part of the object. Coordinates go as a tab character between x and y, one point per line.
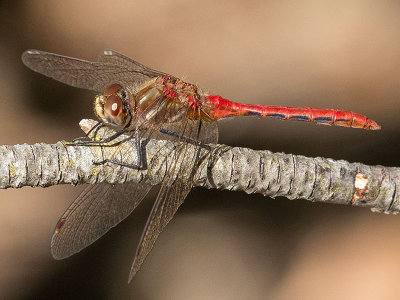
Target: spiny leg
140	156
101	143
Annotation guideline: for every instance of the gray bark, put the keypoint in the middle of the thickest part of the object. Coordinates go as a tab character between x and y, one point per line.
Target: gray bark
231	168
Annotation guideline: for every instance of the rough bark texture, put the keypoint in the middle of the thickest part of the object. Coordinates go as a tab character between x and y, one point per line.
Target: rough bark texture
232	168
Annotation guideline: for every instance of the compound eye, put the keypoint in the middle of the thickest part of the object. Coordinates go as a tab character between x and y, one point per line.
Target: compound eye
113	105
114	111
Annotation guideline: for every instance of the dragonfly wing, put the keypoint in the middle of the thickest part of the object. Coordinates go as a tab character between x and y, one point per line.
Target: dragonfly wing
80	73
97	209
181	166
167	203
110	56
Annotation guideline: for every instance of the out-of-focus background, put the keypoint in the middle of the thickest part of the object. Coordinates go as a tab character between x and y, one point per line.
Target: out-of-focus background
220	245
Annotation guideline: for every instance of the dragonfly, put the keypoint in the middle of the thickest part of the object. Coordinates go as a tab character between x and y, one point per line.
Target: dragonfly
142	103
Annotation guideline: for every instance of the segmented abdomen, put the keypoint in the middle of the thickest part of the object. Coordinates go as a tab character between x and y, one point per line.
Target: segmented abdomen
225	108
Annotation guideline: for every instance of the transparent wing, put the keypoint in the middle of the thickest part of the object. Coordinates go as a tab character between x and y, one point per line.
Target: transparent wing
97	209
113	57
167	203
177	167
181	165
85	74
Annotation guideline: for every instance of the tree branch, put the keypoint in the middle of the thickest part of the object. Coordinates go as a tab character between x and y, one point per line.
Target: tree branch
232	168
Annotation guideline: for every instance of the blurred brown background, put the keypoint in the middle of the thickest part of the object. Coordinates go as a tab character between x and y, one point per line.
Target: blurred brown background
220	245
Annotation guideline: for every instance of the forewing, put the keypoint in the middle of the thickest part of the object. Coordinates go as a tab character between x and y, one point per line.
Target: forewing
84	74
97	209
113	57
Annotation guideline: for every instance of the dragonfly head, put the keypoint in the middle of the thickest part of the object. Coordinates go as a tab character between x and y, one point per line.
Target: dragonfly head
111	107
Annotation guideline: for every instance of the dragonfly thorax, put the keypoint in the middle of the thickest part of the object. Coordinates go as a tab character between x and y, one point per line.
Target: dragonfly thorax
111	107
150	103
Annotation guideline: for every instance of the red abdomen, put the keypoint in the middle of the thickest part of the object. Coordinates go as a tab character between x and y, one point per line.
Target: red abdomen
222	108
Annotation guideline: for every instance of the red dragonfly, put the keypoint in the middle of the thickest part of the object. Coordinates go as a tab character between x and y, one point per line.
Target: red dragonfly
144	103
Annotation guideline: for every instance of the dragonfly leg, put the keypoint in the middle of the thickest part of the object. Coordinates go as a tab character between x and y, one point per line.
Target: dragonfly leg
188	139
101	143
140	156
